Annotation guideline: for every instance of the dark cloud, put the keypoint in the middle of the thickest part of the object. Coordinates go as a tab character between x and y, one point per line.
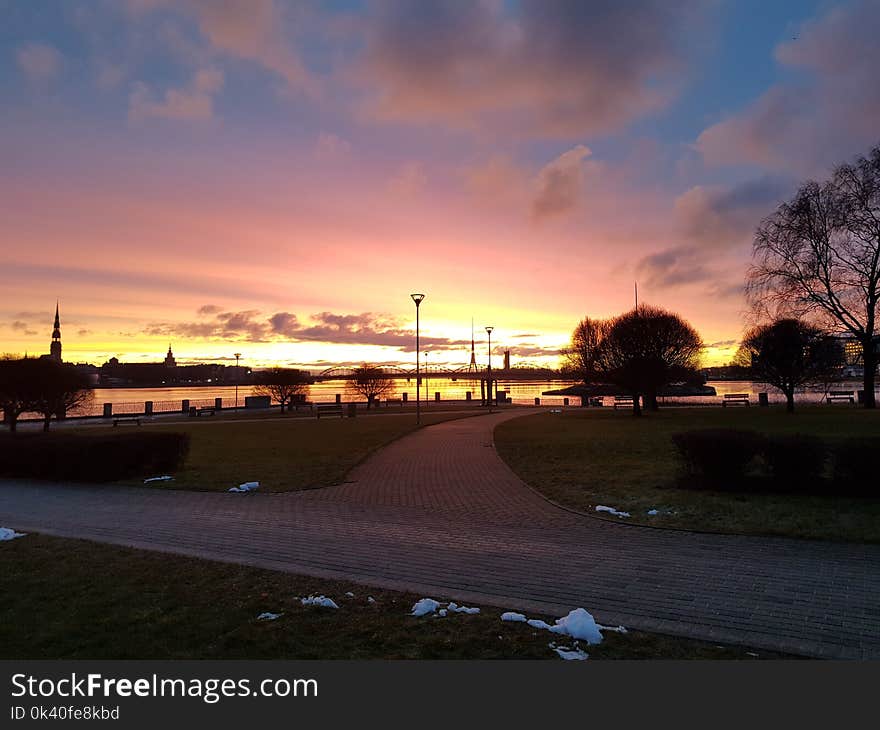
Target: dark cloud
207	309
673	267
253	326
723	343
718	217
22	327
554	67
560	184
824	113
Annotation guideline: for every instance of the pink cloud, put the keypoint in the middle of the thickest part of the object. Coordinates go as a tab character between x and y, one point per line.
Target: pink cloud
39	61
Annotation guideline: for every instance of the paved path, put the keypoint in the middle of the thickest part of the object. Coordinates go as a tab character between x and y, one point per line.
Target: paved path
439	513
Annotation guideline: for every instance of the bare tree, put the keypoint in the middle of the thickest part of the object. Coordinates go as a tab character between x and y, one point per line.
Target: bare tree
639	351
370	382
59	388
647	348
17	394
282	385
788	354
581	356
819	255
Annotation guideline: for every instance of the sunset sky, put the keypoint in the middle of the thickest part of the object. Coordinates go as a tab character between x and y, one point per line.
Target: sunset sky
276	178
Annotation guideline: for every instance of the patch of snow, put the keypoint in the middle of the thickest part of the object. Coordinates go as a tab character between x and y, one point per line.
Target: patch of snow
462	609
512	616
751	653
349	594
611	510
653	512
424	606
442	613
370	599
7	533
268	616
615	629
579	624
536	623
246	487
158	479
571	654
319	601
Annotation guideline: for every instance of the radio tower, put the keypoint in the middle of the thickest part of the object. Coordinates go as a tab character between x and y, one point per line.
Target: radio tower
472	367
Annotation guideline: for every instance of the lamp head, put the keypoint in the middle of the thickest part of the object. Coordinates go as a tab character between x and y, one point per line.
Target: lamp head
417	298
489	330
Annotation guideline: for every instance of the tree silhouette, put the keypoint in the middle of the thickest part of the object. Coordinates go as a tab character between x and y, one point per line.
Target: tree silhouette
819	255
370	382
788	354
282	385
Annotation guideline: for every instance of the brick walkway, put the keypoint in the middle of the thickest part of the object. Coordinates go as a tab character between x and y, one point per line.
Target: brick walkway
439	513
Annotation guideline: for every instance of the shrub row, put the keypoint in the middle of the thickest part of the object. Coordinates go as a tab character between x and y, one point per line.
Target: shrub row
730	458
91	458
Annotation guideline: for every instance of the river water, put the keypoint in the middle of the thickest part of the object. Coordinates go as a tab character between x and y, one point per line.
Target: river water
522	392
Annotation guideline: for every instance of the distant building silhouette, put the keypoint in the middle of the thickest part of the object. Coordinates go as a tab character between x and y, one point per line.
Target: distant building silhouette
55	347
170	362
507	359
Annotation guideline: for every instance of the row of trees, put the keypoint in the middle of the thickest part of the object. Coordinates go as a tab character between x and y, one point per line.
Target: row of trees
816	269
40	385
639	352
285	386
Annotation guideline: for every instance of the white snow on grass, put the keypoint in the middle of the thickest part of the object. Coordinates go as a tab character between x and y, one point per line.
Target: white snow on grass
425	606
318	601
571	654
158	479
611	511
462	609
269	616
653	512
370	599
349	594
7	533
442	613
246	487
579	624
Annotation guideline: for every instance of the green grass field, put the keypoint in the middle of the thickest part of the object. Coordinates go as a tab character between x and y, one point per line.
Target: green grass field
283	454
589	457
73	599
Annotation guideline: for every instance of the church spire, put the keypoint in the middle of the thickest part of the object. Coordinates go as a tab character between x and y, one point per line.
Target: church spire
55	347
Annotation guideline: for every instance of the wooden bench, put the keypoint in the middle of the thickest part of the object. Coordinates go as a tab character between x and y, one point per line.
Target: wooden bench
623	400
393	402
206	411
735	399
330	409
126	419
596	401
841	395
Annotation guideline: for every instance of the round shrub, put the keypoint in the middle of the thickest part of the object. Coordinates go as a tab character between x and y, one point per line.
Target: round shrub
857	465
795	462
719	457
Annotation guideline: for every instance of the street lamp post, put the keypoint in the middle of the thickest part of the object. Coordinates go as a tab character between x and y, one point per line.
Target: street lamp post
489	369
237	377
417	298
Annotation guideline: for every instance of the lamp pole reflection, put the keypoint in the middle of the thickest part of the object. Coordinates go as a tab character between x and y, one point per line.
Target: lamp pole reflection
489	369
417	298
237	376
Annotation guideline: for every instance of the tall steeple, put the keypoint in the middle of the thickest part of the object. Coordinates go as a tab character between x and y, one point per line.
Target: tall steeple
55	347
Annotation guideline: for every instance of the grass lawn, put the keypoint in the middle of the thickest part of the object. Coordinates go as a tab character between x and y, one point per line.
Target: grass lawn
73	599
589	457
283	454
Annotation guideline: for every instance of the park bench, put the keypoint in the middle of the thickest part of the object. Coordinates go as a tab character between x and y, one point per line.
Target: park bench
841	395
596	401
735	399
206	411
329	409
623	401
393	402
126	419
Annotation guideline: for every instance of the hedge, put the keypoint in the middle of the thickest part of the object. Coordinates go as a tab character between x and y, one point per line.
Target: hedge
719	455
91	458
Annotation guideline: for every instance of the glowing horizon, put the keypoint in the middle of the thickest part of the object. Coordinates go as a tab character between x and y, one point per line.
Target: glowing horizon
253	177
